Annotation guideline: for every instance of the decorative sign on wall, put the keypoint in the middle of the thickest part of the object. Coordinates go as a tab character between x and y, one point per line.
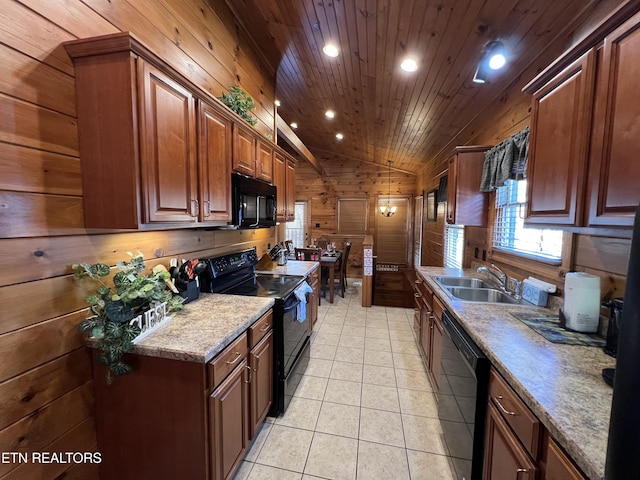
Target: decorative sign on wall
368	262
368	271
368	252
151	320
387	267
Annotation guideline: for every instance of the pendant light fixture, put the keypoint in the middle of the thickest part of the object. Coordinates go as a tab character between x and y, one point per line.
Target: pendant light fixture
388	210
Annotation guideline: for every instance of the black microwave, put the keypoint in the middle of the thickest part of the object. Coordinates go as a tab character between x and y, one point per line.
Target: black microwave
254	202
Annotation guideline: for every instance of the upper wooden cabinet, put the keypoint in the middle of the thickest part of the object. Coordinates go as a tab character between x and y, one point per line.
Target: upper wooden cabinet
585	132
559	144
466	205
156	150
284	178
264	161
215	149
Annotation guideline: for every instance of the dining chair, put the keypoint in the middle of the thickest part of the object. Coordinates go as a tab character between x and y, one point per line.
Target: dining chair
340	271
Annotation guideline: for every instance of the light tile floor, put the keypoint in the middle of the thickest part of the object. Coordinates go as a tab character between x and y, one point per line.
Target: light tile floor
363	410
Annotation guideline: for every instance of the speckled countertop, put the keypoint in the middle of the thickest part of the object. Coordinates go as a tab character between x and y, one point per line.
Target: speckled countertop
293	267
204	327
562	384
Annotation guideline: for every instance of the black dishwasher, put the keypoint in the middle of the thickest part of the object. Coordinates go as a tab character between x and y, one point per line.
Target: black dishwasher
462	400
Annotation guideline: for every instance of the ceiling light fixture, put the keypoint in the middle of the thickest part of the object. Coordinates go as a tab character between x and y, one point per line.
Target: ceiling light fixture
330	50
388	210
494	57
293	125
409	65
329	114
339	136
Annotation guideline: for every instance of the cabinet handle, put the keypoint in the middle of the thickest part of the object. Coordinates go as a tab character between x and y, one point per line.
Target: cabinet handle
249	380
417	282
194	208
417	295
207	208
522	470
237	357
265	328
497	399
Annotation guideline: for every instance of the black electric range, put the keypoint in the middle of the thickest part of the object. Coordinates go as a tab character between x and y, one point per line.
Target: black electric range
234	274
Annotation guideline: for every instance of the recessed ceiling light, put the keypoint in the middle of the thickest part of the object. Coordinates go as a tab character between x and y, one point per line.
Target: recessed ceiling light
409	65
293	125
329	114
339	136
497	61
277	102
497	55
330	50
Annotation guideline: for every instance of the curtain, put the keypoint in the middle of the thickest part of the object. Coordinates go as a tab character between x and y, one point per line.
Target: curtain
507	160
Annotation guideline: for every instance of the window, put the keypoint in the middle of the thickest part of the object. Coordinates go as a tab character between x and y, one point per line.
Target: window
352	216
295	229
453	245
509	232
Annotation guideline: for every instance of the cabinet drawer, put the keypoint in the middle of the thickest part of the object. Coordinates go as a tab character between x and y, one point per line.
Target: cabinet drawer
260	328
438	307
224	363
521	420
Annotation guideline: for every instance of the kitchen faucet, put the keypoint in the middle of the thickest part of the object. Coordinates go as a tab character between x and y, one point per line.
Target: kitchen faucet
502	278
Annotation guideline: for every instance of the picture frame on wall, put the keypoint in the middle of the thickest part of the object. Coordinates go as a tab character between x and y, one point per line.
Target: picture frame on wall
432	206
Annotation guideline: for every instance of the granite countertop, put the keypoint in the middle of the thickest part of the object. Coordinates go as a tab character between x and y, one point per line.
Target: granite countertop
293	267
562	384
204	328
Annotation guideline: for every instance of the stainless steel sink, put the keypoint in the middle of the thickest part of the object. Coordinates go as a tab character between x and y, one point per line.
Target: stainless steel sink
471	282
487	295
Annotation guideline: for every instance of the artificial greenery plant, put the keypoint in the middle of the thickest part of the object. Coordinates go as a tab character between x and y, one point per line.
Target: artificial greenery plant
240	102
113	307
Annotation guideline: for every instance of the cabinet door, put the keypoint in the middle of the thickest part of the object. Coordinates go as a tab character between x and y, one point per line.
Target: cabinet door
261	363
615	168
435	351
425	333
290	207
229	422
167	148
279	180
466	205
559	467
264	156
504	457
215	141
558	145
244	151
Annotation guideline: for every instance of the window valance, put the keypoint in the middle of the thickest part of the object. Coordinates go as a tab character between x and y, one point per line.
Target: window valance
507	160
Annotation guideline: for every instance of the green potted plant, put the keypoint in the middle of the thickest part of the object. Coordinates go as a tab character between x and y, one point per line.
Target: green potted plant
240	102
109	329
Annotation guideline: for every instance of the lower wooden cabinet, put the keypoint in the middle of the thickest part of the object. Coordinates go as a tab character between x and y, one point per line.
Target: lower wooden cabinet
558	465
180	419
229	422
314	297
261	365
429	330
505	458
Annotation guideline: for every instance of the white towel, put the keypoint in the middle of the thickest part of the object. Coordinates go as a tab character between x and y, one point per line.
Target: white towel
301	294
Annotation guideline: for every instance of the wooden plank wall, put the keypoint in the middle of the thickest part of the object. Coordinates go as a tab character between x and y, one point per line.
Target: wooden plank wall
45	375
342	178
603	256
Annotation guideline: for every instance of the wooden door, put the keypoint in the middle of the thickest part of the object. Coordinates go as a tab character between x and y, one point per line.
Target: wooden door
615	169
290	181
261	363
279	181
505	458
558	466
168	148
558	145
215	143
244	151
229	422
264	165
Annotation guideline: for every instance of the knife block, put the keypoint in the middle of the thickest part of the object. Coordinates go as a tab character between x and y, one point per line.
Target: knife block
192	292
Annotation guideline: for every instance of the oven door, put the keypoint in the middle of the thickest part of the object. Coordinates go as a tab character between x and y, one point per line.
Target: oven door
294	332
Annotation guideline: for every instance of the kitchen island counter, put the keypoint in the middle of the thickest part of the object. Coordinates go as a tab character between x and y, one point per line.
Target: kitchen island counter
561	384
204	328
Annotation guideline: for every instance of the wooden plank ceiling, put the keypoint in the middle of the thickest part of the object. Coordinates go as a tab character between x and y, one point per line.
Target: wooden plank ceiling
383	112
